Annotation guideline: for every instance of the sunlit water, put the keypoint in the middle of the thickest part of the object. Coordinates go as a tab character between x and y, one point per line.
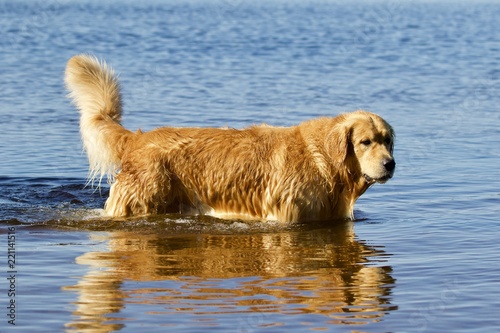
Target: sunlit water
423	255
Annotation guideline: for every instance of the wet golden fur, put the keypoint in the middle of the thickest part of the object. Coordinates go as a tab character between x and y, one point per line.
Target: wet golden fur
313	171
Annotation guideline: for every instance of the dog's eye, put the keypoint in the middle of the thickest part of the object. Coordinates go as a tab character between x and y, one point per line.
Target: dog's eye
388	140
366	142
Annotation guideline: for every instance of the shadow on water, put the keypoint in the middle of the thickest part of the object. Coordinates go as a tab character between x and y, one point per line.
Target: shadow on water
186	269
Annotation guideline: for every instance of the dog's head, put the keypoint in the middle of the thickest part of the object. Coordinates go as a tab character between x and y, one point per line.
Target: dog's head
366	140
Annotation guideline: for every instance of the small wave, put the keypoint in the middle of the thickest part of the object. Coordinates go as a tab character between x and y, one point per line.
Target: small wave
95	220
39	200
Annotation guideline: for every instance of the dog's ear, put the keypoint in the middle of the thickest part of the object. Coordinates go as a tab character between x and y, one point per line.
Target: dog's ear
393	137
337	142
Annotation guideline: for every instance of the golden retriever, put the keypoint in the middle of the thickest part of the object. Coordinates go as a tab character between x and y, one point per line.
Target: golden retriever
313	171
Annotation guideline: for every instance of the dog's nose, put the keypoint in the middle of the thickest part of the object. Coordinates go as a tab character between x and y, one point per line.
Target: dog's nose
390	165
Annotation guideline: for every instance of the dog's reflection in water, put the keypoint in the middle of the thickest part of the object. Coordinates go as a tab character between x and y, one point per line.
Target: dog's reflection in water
325	271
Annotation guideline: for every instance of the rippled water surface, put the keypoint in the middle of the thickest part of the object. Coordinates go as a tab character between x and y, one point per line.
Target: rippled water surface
423	254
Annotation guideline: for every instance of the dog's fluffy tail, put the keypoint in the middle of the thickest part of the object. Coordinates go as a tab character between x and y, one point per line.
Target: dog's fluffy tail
95	91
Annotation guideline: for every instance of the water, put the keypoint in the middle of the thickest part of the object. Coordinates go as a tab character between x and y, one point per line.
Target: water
423	255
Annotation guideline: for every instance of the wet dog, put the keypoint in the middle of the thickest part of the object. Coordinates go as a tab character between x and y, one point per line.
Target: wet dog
313	171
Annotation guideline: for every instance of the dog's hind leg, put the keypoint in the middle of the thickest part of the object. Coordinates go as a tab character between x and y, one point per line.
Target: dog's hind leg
140	193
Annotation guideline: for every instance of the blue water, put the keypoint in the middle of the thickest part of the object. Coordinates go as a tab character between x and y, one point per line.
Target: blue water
423	255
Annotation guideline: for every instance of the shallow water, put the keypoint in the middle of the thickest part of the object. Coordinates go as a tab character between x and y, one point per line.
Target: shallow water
423	254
